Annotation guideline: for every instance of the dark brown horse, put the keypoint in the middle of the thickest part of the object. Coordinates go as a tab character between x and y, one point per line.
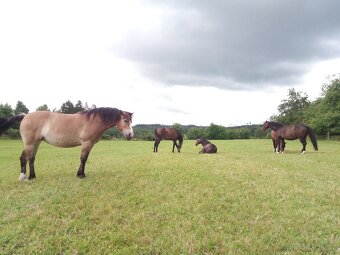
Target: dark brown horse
208	147
276	147
291	132
168	133
6	123
67	130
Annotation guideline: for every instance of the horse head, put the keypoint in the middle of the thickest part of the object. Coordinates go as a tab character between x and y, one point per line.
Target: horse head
265	125
124	124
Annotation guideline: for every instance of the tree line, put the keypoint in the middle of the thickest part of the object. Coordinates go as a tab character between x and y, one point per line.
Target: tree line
322	114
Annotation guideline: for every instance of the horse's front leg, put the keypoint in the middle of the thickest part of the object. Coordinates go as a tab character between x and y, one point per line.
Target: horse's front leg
274	145
278	145
282	145
173	146
156	144
85	151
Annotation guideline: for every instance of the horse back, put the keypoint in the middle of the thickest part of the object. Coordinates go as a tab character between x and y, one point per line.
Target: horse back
292	132
62	130
166	133
210	148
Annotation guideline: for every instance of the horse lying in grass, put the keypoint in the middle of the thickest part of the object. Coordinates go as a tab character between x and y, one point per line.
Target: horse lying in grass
208	147
66	130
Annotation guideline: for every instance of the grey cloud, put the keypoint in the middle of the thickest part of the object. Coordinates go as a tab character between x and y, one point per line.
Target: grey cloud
235	44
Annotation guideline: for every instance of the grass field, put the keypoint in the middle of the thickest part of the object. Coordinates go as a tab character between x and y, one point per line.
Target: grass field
243	200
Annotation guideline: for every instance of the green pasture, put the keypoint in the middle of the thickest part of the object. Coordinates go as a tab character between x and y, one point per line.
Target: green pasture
243	200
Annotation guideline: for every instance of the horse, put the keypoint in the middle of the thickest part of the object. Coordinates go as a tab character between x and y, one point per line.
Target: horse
6	123
276	148
168	133
83	129
208	147
291	132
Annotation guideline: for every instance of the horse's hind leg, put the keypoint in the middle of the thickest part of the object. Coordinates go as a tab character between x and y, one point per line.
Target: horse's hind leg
23	163
28	154
304	143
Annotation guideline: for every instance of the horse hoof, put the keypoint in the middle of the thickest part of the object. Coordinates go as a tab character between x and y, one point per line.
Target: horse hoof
303	152
22	177
81	176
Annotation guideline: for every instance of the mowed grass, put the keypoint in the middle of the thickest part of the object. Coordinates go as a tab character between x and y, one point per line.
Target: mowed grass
243	200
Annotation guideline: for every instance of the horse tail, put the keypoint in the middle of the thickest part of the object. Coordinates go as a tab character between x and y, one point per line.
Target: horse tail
312	137
6	123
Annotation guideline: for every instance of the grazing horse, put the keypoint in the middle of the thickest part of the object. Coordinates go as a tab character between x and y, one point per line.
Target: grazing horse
291	132
208	147
168	133
68	130
276	147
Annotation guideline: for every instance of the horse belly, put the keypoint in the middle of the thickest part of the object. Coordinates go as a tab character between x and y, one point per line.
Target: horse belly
60	139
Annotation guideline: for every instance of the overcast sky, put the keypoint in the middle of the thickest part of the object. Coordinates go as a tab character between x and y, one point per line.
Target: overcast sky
226	62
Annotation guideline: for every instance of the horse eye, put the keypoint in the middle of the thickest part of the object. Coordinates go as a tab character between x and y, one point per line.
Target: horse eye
126	121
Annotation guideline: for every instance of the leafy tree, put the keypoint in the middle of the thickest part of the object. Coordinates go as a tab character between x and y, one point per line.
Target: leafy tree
43	107
195	132
20	108
324	113
6	110
291	109
79	107
179	128
216	132
67	107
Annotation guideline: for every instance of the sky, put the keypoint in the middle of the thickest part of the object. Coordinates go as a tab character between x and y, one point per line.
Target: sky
227	62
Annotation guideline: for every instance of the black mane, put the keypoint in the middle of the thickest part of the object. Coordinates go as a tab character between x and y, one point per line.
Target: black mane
274	125
107	114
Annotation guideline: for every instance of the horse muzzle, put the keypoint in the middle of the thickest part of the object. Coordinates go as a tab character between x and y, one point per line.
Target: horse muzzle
128	136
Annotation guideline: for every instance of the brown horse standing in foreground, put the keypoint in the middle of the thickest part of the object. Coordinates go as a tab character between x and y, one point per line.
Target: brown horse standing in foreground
291	132
208	147
168	133
67	130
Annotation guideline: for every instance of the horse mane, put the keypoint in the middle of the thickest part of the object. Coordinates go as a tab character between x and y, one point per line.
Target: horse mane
202	138
275	124
107	114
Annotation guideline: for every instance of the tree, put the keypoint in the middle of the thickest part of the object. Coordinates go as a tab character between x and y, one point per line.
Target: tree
216	132
6	110
67	107
79	106
291	109
179	128
324	113
195	132
43	107
20	108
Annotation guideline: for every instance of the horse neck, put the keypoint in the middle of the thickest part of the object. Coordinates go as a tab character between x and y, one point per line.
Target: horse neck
275	126
204	142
